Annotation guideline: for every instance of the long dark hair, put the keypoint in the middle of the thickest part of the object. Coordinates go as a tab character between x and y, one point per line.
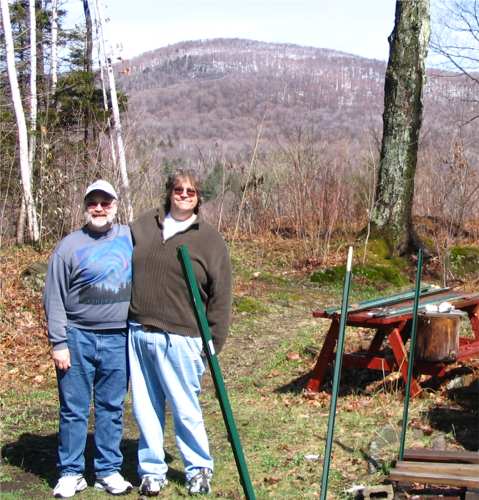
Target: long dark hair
173	179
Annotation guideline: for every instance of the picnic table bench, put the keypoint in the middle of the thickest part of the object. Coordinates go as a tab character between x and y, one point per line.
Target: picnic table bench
391	317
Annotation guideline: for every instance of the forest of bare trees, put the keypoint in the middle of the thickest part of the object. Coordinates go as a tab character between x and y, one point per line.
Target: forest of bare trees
289	136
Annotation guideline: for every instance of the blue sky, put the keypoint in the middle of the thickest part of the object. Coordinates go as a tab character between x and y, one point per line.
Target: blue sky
356	26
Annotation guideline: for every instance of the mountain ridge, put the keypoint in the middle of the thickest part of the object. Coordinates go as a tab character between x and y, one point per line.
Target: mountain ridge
203	96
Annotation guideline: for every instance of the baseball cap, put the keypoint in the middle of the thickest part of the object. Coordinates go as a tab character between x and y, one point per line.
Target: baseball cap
101	185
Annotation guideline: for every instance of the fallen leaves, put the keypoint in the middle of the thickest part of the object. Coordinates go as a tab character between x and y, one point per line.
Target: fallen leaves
270	480
319	399
425	428
23	342
293	356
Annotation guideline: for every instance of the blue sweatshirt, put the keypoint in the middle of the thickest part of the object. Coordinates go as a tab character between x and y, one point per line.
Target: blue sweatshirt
88	282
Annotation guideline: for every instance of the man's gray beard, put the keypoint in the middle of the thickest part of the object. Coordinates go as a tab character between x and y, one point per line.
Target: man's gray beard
95	222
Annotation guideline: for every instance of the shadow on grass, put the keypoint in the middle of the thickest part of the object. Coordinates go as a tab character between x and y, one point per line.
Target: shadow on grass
36	454
353	381
461	417
364	381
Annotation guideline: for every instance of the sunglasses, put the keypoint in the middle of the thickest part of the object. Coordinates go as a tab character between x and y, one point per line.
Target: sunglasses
190	192
94	204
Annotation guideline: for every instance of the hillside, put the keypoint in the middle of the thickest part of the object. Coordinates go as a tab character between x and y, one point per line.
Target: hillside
209	96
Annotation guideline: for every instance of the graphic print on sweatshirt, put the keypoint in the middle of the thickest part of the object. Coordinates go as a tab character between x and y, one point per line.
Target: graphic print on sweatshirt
106	271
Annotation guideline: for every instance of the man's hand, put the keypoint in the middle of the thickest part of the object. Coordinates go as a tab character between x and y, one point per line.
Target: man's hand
61	358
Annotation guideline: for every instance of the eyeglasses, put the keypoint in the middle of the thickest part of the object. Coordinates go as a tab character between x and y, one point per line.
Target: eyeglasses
94	204
190	192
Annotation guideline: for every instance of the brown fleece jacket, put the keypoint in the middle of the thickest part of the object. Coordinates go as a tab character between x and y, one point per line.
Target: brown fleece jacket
160	296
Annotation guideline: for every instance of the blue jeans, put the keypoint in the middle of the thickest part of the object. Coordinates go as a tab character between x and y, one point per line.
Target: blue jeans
99	367
165	367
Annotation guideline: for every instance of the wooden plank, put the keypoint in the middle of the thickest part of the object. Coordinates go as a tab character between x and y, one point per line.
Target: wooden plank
429	455
450	469
431	478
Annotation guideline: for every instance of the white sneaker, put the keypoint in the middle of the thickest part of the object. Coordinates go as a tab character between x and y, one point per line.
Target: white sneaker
67	486
114	484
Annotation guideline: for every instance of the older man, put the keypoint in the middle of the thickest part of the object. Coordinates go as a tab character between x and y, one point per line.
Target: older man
87	294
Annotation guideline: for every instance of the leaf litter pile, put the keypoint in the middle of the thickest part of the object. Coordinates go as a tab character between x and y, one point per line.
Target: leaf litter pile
25	356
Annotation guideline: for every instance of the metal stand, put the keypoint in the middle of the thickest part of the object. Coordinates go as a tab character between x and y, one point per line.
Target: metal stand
216	373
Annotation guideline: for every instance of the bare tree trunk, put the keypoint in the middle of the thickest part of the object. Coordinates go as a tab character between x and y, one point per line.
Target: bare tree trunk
88	67
89	37
370	195
116	121
22	217
101	59
21	123
54	47
405	75
223	189
40	59
119	141
6	184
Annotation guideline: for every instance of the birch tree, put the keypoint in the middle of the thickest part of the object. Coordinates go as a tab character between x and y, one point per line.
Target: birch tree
33	86
101	48
33	113
405	76
119	140
26	174
116	119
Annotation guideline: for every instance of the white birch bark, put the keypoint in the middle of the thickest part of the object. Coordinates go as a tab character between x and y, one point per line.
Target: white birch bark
21	123
116	120
33	87
101	60
22	218
119	140
54	47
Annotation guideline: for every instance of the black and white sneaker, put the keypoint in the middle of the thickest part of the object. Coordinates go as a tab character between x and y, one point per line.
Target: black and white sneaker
200	483
150	486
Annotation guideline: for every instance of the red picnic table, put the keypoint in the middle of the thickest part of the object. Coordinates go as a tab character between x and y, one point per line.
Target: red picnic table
391	317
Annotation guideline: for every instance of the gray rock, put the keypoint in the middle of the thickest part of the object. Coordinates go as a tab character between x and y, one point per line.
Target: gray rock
374	460
389	434
439	442
34	276
417	433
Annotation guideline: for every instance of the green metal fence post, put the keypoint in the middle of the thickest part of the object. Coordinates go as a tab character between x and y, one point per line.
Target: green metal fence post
337	375
412	346
216	374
